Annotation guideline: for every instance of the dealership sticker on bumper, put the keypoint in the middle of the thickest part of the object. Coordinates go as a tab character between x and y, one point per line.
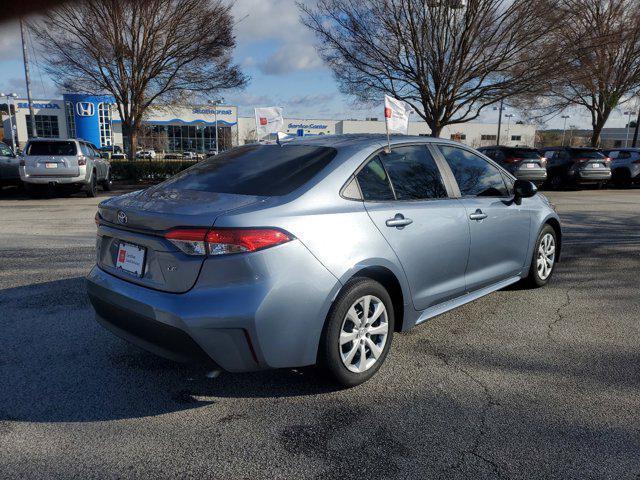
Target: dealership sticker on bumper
130	258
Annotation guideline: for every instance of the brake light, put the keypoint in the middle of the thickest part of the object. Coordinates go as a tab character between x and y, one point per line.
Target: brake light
82	161
513	159
607	161
543	161
222	241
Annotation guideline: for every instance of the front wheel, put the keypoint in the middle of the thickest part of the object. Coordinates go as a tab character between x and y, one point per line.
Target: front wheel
358	333
544	258
91	188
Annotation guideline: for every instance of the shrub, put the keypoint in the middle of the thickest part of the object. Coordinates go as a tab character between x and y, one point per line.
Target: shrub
147	171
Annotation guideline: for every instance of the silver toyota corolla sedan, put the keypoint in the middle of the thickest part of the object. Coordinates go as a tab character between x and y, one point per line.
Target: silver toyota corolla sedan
314	252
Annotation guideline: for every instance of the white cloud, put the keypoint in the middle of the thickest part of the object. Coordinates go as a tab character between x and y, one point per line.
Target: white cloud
291	57
277	21
10	48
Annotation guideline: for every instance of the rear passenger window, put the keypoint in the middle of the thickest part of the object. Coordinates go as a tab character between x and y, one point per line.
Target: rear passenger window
414	173
475	176
373	181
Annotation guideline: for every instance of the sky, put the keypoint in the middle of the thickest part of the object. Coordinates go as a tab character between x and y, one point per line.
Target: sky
279	55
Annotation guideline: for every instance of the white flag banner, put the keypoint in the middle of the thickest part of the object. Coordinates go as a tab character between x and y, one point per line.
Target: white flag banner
268	120
396	114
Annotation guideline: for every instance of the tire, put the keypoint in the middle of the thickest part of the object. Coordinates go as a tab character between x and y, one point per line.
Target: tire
91	189
556	183
537	278
334	357
107	182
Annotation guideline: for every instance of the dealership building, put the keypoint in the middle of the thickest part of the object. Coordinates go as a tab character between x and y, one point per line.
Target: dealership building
173	128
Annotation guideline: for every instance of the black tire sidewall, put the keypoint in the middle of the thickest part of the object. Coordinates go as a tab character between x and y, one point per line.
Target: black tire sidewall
328	353
534	278
92	186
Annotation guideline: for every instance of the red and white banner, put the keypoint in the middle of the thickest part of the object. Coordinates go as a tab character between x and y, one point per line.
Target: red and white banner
268	120
396	114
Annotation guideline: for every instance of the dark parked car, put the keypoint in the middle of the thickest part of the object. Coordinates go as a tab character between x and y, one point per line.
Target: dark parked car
9	163
522	162
625	165
573	166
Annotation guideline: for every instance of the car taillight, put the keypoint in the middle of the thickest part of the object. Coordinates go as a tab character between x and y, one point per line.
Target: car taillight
513	159
222	241
543	161
97	219
582	160
82	161
607	161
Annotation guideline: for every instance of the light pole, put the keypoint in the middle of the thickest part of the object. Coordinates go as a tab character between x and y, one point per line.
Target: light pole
508	115
500	109
13	137
628	114
564	128
215	104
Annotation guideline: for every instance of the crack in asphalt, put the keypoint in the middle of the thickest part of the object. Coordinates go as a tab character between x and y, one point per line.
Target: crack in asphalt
558	314
489	402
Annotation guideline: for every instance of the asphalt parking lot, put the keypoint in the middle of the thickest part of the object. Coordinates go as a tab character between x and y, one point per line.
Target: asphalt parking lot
520	384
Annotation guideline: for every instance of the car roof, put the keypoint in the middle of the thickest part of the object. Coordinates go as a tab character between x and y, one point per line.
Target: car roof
346	140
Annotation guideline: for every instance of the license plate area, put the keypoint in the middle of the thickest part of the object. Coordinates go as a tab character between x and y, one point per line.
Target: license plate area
50	165
131	258
530	165
596	165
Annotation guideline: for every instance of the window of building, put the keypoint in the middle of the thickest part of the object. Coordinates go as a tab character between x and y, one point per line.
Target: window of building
458	136
488	137
475	176
104	120
46	126
71	120
516	138
414	173
373	181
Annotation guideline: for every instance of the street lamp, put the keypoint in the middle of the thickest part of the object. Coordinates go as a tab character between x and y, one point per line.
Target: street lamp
564	127
9	97
626	140
508	115
500	109
215	104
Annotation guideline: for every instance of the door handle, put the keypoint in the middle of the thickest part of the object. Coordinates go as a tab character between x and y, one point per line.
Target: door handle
398	221
478	215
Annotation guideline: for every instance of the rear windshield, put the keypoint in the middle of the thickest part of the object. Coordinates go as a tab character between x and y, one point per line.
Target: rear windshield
524	153
52	148
587	154
262	170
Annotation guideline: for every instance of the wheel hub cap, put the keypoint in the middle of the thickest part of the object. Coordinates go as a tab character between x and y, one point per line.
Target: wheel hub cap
363	334
546	256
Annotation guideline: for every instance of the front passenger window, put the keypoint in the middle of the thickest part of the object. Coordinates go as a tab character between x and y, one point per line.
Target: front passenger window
475	176
414	173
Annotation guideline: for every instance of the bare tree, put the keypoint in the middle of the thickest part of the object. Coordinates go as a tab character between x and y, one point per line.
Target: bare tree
140	51
600	61
447	59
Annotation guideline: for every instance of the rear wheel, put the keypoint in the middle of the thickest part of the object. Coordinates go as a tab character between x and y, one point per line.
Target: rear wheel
556	182
358	333
91	188
544	258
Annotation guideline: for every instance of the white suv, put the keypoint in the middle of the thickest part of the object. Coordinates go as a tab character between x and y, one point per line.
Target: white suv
72	163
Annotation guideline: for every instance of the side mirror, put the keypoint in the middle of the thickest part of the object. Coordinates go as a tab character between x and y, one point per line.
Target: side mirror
523	189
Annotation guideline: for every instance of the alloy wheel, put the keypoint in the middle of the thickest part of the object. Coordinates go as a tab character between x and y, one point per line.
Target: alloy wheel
546	256
363	334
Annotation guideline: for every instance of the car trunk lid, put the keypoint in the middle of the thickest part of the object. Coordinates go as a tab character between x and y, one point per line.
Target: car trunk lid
142	218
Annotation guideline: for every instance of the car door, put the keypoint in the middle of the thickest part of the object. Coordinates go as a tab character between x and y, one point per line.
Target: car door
8	164
499	228
406	197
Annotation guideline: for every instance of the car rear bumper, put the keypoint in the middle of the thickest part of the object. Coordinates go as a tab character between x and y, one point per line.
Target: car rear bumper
83	177
273	318
532	175
592	176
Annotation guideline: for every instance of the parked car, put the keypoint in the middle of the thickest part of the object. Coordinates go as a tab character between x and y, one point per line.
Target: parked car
212	152
625	165
118	156
314	252
573	166
72	164
146	154
522	162
9	162
189	155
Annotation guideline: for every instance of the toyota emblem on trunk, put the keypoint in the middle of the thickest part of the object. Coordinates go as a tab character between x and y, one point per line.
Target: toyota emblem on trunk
122	217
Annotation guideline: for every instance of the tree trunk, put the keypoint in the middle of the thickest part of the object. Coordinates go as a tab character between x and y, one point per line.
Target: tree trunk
132	135
598	125
436	129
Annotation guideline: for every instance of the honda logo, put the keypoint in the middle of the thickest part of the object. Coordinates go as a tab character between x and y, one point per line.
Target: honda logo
85	109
